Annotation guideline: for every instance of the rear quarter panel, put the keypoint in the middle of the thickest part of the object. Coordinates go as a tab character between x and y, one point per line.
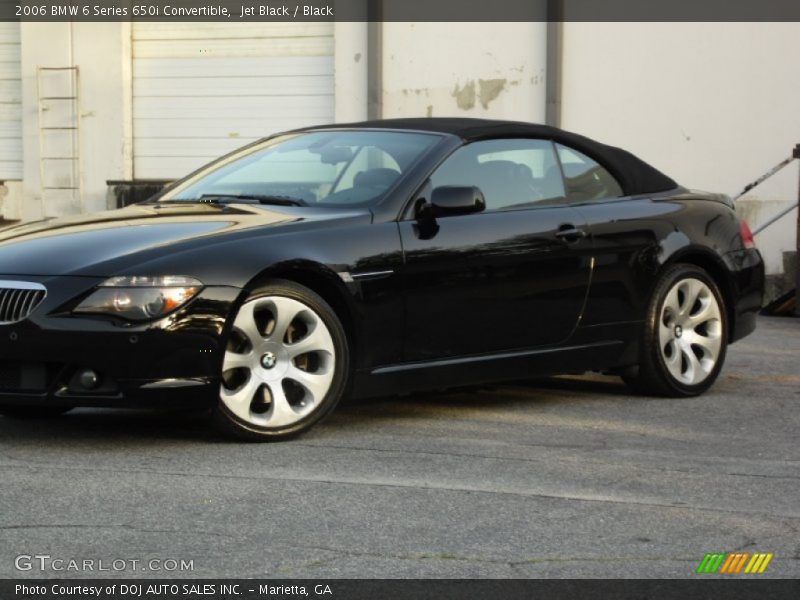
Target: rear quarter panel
634	240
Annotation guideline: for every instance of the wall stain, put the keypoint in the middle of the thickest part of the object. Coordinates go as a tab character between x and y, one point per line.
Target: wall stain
429	112
489	90
357	57
465	96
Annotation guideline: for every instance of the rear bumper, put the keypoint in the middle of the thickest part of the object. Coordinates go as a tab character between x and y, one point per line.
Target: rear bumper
174	362
747	269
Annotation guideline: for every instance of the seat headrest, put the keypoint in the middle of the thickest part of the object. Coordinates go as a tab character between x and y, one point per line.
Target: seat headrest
376	178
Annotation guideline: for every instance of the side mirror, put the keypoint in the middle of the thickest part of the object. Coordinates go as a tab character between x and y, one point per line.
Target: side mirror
457	200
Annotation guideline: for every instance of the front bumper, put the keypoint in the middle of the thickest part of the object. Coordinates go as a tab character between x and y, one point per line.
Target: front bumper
171	362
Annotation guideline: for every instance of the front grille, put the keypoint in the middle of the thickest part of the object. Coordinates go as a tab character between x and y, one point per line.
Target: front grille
18	299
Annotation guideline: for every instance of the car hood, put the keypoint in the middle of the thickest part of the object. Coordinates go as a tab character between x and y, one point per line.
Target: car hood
92	245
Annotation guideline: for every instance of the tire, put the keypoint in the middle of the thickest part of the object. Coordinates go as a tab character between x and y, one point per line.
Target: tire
33	412
685	336
285	366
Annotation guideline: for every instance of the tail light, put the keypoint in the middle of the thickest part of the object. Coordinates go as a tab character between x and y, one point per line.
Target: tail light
747	235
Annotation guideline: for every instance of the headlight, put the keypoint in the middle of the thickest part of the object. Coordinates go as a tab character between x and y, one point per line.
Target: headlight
140	298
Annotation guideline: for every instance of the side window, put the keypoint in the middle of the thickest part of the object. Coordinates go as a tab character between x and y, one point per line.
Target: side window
586	180
510	173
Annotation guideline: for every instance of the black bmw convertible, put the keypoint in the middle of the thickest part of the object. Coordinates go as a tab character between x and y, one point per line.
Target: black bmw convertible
370	259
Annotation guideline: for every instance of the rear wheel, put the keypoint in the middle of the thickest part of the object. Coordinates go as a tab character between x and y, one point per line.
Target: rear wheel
685	335
285	365
33	412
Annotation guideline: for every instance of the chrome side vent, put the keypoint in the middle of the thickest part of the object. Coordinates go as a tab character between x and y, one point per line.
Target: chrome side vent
18	299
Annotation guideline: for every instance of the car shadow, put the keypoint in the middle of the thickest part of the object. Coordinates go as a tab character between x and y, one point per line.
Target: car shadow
113	424
513	392
515	395
196	426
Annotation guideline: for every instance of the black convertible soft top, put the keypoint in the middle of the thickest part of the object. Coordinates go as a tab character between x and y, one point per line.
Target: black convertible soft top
634	175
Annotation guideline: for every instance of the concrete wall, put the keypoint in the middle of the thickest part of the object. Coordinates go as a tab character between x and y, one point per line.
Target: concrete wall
106	118
464	69
351	63
715	105
11	197
101	51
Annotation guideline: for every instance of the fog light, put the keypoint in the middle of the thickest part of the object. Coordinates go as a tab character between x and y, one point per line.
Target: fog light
88	379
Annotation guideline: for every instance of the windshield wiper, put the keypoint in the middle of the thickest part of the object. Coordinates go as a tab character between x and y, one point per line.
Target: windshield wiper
252	198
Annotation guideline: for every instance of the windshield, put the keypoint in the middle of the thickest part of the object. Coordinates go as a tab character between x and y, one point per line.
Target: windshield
324	168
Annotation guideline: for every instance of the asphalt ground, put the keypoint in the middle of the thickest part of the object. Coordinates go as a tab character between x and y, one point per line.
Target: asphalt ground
563	477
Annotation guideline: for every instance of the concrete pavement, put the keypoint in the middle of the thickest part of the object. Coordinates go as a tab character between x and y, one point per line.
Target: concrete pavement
565	477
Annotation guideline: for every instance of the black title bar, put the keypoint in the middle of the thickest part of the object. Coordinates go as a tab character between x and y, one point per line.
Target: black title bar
439	589
237	11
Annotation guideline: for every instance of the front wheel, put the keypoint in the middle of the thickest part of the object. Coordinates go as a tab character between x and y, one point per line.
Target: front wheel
285	365
685	335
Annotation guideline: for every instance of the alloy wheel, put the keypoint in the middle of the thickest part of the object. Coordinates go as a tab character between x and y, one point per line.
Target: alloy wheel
690	331
279	362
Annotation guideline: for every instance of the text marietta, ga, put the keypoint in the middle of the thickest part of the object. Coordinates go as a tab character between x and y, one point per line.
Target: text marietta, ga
159	590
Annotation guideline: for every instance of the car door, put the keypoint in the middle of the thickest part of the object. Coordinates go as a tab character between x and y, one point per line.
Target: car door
510	277
624	238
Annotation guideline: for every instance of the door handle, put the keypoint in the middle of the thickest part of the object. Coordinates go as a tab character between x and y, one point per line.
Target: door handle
570	233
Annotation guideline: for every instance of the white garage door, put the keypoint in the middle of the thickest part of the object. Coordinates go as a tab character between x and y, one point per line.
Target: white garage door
203	89
10	103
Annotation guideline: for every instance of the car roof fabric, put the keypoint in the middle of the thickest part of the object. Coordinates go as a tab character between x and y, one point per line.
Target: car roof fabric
634	175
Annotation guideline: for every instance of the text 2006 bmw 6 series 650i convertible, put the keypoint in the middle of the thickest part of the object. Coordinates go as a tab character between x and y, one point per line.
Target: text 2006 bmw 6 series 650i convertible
376	258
